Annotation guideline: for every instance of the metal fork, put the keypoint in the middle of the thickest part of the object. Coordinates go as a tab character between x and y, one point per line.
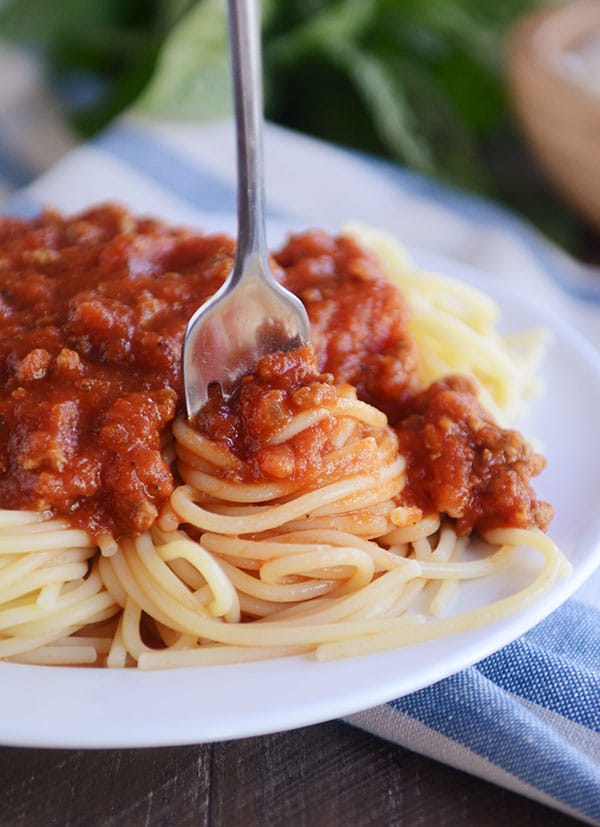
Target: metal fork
251	315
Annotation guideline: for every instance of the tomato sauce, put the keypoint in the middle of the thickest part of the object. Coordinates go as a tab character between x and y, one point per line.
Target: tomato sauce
283	388
92	315
358	318
93	310
461	463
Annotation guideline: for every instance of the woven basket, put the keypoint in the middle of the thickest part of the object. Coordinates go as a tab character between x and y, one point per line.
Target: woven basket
558	111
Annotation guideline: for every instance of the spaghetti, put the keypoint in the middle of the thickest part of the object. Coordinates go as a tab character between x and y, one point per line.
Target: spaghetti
333	505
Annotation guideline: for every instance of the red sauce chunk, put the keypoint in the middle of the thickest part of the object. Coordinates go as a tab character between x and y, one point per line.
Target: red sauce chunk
250	423
92	315
93	310
461	463
358	318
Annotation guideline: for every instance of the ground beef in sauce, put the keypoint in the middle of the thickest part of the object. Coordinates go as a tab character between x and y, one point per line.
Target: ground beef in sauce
461	463
92	314
285	386
358	318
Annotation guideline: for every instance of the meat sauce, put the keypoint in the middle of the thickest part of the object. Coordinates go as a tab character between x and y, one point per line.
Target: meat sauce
358	318
93	310
460	463
284	386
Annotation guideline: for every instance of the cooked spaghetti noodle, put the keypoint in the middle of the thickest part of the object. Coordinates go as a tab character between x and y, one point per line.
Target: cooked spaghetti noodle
332	506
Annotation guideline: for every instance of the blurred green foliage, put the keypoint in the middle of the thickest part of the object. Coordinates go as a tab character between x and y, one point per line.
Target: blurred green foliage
420	81
101	53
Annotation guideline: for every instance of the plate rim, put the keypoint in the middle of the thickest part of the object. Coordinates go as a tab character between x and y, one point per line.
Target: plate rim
22	730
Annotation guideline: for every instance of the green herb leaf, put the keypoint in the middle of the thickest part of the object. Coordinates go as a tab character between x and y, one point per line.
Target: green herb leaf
191	79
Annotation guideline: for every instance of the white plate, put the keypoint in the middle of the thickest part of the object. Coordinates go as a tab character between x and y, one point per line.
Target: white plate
67	707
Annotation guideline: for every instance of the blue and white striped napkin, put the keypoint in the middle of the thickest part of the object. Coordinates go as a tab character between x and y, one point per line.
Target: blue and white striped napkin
528	716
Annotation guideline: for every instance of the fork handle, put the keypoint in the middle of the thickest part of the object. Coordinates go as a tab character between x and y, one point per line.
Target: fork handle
246	71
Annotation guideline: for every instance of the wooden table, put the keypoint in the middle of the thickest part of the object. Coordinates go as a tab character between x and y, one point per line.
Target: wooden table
324	775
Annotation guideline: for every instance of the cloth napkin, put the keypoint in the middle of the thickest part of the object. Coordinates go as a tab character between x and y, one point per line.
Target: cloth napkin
528	716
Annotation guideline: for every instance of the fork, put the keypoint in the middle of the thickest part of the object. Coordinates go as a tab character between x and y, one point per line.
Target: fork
251	315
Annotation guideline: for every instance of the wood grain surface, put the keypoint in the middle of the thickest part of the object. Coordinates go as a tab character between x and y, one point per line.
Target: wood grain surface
319	776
